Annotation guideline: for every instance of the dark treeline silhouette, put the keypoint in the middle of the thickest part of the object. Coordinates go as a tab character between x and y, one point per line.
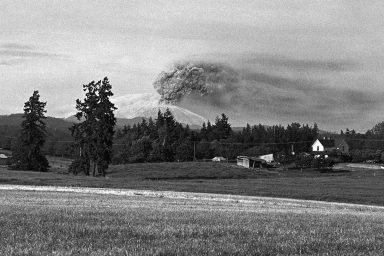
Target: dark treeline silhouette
58	142
165	139
368	146
58	136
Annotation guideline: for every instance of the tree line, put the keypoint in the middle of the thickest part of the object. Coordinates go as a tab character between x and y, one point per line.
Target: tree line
165	139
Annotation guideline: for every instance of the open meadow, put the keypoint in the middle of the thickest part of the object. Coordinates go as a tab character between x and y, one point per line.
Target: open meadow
362	186
89	223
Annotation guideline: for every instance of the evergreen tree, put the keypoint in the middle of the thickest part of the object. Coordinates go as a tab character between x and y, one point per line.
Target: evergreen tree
106	122
126	128
160	121
222	128
152	129
203	132
210	135
94	135
315	130
28	154
247	138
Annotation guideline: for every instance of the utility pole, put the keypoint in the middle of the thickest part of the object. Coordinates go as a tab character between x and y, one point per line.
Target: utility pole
194	151
274	140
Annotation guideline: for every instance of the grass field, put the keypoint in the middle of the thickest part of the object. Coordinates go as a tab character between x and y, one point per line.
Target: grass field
62	223
363	186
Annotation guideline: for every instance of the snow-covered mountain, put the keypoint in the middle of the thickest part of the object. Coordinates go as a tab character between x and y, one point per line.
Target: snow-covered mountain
147	105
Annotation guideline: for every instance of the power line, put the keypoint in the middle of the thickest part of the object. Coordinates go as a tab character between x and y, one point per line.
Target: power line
221	143
255	144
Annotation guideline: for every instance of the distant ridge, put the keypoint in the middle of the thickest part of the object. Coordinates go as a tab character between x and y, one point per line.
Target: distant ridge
51	122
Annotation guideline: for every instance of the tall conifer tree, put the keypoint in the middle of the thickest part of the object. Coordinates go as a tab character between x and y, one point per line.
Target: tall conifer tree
28	155
94	134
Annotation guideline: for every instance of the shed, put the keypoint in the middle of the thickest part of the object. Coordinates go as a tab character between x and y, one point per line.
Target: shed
268	158
3	159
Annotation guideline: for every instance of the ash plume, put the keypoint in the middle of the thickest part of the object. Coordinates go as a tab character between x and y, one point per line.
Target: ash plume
209	81
254	93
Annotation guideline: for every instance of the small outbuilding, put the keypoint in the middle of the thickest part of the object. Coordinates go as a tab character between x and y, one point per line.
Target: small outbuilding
4	159
268	158
250	162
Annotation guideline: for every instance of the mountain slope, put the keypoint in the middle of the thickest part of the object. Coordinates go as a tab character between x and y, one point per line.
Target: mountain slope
147	105
120	122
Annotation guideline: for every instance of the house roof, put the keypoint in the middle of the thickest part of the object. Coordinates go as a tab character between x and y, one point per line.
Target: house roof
327	143
2	156
332	143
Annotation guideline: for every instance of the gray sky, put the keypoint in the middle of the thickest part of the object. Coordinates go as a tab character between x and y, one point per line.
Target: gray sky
56	46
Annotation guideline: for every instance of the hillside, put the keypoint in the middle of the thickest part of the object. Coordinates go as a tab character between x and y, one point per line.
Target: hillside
52	123
120	122
57	130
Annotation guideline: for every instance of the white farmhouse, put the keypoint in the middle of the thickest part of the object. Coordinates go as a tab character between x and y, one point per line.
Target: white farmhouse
327	144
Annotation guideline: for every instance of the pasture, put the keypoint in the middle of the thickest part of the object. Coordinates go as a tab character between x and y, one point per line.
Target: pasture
67	223
362	186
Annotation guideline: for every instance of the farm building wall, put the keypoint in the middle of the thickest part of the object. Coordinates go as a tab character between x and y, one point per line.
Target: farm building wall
3	161
317	146
243	162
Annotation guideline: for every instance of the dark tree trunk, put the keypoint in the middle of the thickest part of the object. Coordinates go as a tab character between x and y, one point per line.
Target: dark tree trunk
94	167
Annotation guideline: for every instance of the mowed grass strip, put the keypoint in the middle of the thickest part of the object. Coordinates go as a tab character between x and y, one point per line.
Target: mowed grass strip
57	223
358	186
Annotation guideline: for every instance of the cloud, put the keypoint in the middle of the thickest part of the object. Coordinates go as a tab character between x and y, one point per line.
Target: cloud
280	62
15	53
306	96
275	61
26	54
5	63
10	62
17	46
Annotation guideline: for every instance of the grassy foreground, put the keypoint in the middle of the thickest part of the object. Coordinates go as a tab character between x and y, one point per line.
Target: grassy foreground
361	186
60	223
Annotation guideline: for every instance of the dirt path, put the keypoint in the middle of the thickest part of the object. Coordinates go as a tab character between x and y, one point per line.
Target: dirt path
358	166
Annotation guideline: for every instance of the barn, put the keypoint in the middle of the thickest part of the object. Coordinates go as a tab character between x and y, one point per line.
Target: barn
250	162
